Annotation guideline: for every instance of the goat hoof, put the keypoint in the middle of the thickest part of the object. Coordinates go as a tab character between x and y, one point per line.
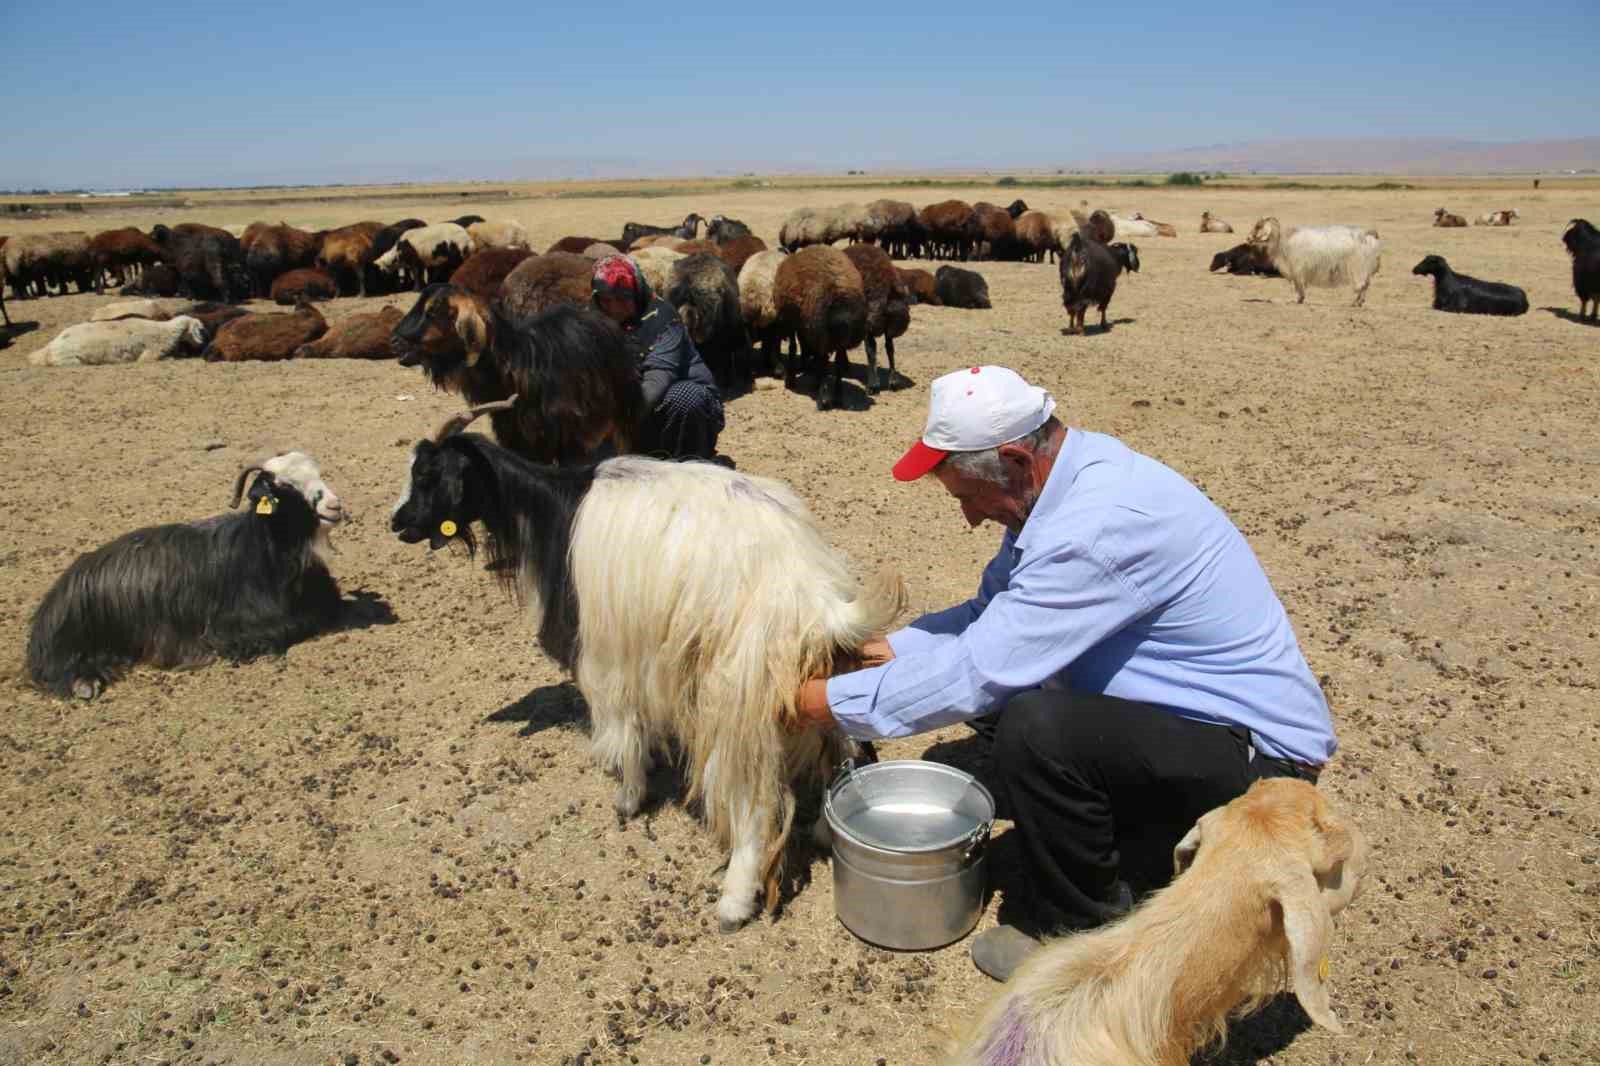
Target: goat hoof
85	688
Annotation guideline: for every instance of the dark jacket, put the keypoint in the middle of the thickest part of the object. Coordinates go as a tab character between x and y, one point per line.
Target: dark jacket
666	354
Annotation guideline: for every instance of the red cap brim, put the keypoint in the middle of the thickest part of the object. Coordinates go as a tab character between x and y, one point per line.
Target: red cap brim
917	461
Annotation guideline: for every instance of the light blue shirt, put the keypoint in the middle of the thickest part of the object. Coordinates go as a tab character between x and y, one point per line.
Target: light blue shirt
1125	580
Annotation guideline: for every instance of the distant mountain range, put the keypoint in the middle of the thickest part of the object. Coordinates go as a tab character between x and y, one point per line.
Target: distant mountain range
1366	156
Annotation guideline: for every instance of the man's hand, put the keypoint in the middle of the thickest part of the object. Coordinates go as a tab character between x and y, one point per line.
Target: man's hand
811	702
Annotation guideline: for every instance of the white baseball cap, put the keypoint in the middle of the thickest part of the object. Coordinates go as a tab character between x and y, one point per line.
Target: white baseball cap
973	409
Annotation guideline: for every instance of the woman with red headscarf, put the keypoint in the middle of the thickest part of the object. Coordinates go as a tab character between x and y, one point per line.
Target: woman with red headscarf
681	396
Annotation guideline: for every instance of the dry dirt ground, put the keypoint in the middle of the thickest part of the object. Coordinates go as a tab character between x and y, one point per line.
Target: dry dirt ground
389	844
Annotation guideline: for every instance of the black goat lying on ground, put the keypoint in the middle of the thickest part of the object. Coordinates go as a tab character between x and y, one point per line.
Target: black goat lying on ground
688	229
1245	258
578	385
1469	296
1089	272
238	585
1583	244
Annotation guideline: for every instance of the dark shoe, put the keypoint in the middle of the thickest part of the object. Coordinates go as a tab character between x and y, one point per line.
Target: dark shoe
999	951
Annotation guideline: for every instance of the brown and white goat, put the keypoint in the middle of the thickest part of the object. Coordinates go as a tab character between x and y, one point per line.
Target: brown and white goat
1259	882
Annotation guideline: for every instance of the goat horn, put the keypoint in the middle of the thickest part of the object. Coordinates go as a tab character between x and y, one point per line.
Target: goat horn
456	423
238	485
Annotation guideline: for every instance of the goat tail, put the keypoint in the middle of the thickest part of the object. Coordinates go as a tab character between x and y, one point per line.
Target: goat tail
772	862
883	598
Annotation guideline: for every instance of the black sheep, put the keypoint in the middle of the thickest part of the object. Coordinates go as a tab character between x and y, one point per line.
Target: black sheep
1245	258
464	221
1583	244
688	229
722	229
239	585
1469	296
1089	272
961	288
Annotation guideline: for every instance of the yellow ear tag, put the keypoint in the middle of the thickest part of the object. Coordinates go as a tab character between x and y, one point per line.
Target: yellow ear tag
264	505
447	527
1322	969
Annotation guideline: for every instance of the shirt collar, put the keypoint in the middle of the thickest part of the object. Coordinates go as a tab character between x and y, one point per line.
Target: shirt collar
1057	484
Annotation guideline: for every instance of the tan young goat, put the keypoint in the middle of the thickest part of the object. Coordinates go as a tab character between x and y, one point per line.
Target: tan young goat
1259	881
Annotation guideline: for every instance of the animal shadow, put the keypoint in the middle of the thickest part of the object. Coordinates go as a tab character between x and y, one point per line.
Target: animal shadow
1090	331
1260	1036
363	609
15	330
1568	316
546	707
851	396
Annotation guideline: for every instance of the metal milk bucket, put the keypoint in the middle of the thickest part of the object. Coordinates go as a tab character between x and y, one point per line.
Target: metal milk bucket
908	846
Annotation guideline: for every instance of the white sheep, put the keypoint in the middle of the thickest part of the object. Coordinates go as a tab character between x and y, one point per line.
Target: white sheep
1211	224
154	310
1259	881
129	340
1321	256
439	248
756	302
655	263
497	233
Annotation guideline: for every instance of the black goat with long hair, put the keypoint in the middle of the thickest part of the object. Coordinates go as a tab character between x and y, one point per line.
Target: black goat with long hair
1470	296
576	382
238	585
1583	244
527	510
1089	272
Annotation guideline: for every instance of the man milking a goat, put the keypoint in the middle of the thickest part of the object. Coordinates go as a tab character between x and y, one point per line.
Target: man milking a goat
1125	656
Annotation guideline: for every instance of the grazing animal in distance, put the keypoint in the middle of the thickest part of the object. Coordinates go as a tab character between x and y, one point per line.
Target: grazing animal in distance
821	301
888	309
1445	220
1583	244
672	652
1466	295
1323	256
688	229
576	381
1497	218
1088	273
1258	884
1208	224
237	586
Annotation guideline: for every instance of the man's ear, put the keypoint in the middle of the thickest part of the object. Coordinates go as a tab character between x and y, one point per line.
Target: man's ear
1015	457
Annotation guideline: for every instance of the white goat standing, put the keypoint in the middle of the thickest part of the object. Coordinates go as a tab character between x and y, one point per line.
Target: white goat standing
1321	256
1259	881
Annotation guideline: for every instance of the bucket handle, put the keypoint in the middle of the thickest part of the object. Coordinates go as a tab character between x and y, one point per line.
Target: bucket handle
976	840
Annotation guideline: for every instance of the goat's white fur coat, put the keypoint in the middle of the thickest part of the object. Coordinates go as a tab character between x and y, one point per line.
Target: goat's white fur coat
1321	256
706	597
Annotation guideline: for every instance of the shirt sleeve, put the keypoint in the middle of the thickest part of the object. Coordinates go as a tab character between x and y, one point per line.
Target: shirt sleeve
1053	609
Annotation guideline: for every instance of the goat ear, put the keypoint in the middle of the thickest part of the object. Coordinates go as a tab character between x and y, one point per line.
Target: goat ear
1183	855
1307	927
472	329
1333	842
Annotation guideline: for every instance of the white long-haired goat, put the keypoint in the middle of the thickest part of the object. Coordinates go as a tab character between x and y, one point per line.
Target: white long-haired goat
690	603
1259	881
1321	256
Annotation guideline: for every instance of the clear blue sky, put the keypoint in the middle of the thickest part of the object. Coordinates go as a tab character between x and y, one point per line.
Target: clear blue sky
156	92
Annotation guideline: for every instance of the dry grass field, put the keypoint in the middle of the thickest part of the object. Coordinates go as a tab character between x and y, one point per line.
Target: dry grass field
389	845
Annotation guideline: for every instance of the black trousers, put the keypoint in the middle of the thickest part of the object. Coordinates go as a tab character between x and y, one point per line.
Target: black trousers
1101	791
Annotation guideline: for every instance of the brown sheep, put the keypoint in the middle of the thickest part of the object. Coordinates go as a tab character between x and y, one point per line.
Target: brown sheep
115	251
484	272
597	252
158	279
575	245
1036	232
921	285
699	245
310	284
545	281
952	229
737	251
266	338
273	250
995	227
347	254
888	307
1210	224
1445	219
367	336
212	315
821	300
